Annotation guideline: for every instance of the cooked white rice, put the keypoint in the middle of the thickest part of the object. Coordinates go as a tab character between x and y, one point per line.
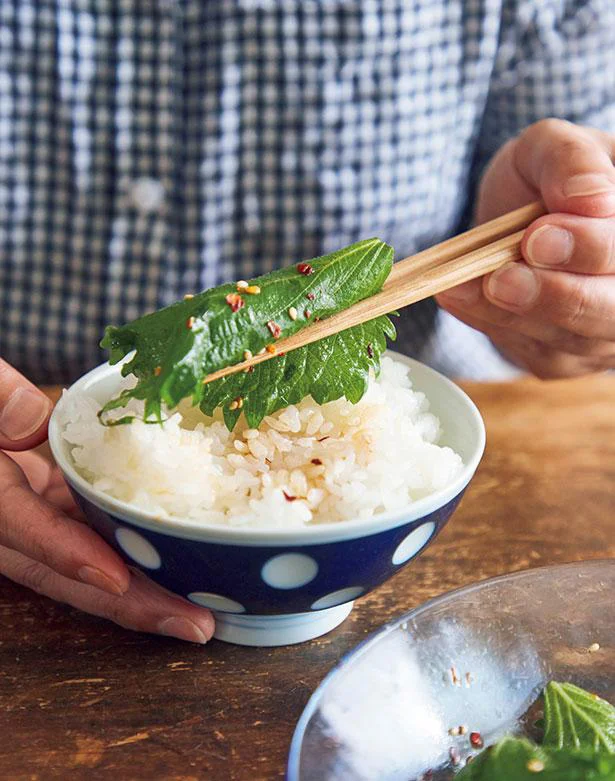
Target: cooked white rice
375	456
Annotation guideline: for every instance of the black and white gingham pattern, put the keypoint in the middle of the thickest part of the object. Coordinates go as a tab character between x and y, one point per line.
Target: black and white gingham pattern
152	149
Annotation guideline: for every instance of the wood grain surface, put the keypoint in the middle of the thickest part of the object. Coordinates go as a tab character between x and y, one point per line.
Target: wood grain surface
83	699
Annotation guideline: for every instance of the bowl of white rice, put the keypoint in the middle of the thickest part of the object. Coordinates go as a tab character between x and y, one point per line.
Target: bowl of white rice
277	529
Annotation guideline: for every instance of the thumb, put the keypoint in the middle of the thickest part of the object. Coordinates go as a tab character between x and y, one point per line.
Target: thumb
24	411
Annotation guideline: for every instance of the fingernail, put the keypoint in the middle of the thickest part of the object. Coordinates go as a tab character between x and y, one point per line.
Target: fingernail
24	413
92	576
468	293
589	184
514	284
550	246
183	628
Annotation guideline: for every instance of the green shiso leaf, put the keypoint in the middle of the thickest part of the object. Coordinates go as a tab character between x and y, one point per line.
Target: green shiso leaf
514	759
171	359
574	718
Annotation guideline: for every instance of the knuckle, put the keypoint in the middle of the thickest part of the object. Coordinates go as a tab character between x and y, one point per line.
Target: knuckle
118	611
575	306
609	250
549	126
35	576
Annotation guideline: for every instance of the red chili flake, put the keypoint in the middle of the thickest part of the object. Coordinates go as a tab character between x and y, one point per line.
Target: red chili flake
370	350
235	301
454	755
322	439
189	323
307	314
316	319
275	329
270	348
310	296
157	371
317	462
288	497
281	354
476	740
305	269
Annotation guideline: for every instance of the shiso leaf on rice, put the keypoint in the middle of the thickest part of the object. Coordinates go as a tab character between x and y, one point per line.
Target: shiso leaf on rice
175	349
306	464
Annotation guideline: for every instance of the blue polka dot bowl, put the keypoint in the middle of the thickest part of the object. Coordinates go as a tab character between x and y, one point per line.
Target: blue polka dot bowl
271	587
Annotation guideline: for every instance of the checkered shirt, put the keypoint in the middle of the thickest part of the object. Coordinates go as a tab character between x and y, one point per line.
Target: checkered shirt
150	149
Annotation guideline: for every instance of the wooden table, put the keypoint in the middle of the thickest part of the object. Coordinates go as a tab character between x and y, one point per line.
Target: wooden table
83	699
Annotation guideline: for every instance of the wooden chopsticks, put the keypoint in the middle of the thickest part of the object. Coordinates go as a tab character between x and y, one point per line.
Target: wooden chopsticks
472	254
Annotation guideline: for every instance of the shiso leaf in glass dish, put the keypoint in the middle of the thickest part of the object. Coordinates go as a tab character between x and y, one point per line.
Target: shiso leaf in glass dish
517	759
575	718
578	743
177	347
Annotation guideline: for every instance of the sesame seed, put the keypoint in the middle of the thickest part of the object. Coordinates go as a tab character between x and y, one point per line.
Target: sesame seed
247	355
188	296
462	729
242	284
535	766
292	313
275	329
253	290
233	405
593	648
262	352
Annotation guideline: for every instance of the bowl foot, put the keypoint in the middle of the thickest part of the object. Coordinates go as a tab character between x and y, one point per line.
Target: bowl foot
262	631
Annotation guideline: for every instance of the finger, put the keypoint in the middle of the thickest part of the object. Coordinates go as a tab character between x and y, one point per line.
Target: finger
37	529
24	411
571	167
37	469
46	480
493	199
578	244
144	607
579	303
502	326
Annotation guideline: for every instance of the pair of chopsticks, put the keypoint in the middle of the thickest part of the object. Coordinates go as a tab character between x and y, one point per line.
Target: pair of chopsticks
472	254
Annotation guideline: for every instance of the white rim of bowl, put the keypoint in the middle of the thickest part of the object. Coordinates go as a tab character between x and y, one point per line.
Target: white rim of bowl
299	537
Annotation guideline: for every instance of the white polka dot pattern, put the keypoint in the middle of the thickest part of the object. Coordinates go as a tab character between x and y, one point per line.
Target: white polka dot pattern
216	602
138	548
413	543
289	570
338	597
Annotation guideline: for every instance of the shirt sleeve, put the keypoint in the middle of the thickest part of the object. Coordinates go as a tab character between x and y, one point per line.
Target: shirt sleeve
554	59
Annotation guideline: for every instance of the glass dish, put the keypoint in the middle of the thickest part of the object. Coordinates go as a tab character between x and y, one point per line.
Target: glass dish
477	657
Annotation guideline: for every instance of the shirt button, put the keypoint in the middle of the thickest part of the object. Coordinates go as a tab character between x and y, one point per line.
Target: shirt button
147	194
